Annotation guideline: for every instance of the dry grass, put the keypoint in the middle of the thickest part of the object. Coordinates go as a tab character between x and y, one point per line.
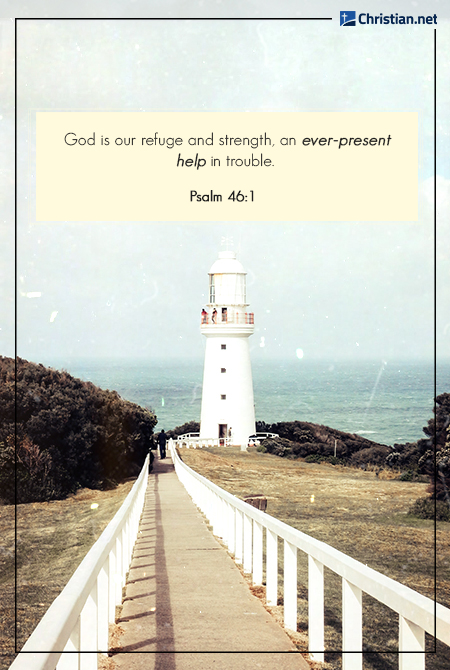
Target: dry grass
357	512
52	540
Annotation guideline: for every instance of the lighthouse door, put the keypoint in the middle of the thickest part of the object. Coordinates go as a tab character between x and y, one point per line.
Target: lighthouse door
222	434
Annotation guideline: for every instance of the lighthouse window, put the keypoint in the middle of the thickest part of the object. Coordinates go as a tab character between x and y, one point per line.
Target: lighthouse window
223	397
223	346
212	289
223	369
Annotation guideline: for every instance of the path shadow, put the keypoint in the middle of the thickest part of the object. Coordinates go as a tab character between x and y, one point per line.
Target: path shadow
163	466
165	644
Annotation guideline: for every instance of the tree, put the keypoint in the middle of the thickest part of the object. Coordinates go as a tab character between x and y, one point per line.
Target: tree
189	427
435	450
58	434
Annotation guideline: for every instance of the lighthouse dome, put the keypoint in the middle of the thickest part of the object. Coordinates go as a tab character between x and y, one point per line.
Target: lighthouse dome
227	280
227	264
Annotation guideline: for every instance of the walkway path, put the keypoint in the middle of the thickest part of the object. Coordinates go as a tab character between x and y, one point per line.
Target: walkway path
185	598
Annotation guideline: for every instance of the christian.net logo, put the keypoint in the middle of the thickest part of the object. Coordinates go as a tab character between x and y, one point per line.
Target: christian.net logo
348	18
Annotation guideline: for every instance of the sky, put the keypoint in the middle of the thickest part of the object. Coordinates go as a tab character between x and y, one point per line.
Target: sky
353	291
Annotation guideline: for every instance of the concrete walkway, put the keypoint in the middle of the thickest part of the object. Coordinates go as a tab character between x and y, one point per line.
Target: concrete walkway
186	604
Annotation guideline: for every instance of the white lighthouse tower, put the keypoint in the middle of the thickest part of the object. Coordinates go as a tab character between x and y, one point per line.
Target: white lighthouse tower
228	410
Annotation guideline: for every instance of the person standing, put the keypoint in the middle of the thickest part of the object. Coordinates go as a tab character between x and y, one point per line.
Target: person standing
162	439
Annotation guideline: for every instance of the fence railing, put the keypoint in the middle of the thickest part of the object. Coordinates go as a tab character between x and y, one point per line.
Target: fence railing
239	318
78	619
196	442
241	527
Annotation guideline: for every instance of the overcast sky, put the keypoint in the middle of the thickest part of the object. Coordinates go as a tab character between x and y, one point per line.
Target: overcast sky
335	290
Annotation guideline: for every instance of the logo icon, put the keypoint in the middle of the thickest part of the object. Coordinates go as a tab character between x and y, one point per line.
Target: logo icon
347	18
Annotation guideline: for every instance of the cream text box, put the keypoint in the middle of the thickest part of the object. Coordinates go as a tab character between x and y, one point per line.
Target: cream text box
184	166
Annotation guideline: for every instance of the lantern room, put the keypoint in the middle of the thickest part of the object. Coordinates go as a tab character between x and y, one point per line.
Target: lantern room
227	281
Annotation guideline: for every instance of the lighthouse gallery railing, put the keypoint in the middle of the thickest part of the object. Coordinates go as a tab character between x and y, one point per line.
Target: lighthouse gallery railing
78	619
247	318
241	527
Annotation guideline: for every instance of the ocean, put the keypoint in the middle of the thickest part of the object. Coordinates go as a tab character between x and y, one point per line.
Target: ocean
385	402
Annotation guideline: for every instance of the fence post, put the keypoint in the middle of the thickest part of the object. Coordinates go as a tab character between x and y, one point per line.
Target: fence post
71	660
89	632
208	505
112	585
196	491
247	544
351	626
411	639
224	513
271	567
102	608
257	553
131	538
238	544
218	509
290	586
316	642
223	509
118	571
231	539
124	553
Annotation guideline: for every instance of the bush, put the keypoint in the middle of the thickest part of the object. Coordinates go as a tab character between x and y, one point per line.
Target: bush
407	476
393	459
68	434
424	508
278	446
299	439
370	456
334	460
313	458
304	449
319	458
404	456
436	449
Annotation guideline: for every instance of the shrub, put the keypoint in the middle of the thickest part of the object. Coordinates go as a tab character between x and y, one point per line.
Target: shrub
314	458
279	446
424	508
315	438
437	448
370	456
334	460
404	456
319	458
393	459
407	476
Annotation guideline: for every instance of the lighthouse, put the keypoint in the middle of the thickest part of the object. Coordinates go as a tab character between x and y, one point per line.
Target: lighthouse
228	411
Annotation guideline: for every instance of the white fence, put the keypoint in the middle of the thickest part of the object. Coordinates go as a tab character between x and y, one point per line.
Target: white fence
241	526
196	442
78	619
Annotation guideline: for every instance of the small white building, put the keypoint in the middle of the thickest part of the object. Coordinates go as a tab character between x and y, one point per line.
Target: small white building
228	410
